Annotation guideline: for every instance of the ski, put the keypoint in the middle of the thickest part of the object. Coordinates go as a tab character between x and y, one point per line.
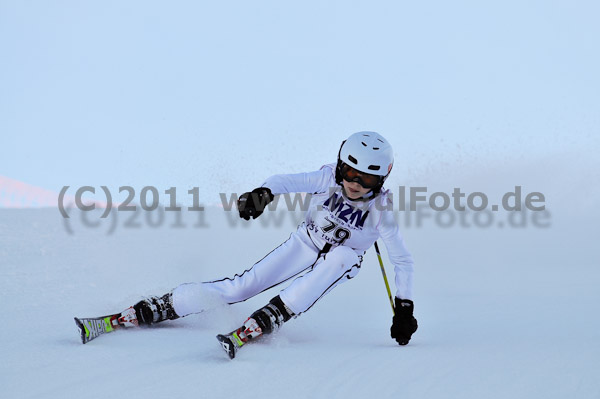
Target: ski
92	327
232	342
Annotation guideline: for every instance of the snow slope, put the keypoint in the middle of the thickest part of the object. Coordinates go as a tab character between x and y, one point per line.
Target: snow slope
502	313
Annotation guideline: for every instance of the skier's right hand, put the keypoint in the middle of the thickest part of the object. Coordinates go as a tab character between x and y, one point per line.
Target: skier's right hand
253	204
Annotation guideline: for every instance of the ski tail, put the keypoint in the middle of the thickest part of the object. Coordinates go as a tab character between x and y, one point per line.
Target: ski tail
233	341
227	344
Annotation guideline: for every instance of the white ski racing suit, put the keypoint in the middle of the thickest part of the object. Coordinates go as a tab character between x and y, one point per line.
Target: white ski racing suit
325	250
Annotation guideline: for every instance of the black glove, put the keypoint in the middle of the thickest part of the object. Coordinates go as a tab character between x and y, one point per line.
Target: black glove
253	204
403	324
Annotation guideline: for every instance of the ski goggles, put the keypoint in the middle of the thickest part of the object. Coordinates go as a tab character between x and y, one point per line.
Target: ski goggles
366	180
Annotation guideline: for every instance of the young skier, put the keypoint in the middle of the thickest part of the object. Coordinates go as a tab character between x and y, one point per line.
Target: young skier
349	210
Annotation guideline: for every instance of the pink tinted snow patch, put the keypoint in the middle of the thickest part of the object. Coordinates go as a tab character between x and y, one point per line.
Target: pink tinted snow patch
16	194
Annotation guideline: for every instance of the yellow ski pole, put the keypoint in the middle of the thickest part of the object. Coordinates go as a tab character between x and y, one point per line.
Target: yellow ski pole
387	285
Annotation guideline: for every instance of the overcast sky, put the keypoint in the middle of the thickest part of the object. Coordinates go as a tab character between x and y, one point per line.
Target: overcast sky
221	95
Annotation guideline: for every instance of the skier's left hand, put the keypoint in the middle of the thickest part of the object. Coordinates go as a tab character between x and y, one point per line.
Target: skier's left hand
404	323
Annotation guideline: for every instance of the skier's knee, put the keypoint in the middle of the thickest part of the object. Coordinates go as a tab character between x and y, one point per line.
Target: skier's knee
191	298
343	256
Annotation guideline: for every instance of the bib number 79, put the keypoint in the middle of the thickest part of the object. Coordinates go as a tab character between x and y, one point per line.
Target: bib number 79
340	234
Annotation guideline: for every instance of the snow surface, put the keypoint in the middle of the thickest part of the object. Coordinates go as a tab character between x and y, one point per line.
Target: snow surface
502	313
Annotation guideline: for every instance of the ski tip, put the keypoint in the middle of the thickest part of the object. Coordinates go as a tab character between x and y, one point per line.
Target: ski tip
81	330
227	345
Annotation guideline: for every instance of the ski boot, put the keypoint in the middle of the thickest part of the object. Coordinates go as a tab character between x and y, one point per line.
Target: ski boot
263	321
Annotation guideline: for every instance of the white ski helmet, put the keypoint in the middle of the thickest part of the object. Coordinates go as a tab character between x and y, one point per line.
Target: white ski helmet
367	152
